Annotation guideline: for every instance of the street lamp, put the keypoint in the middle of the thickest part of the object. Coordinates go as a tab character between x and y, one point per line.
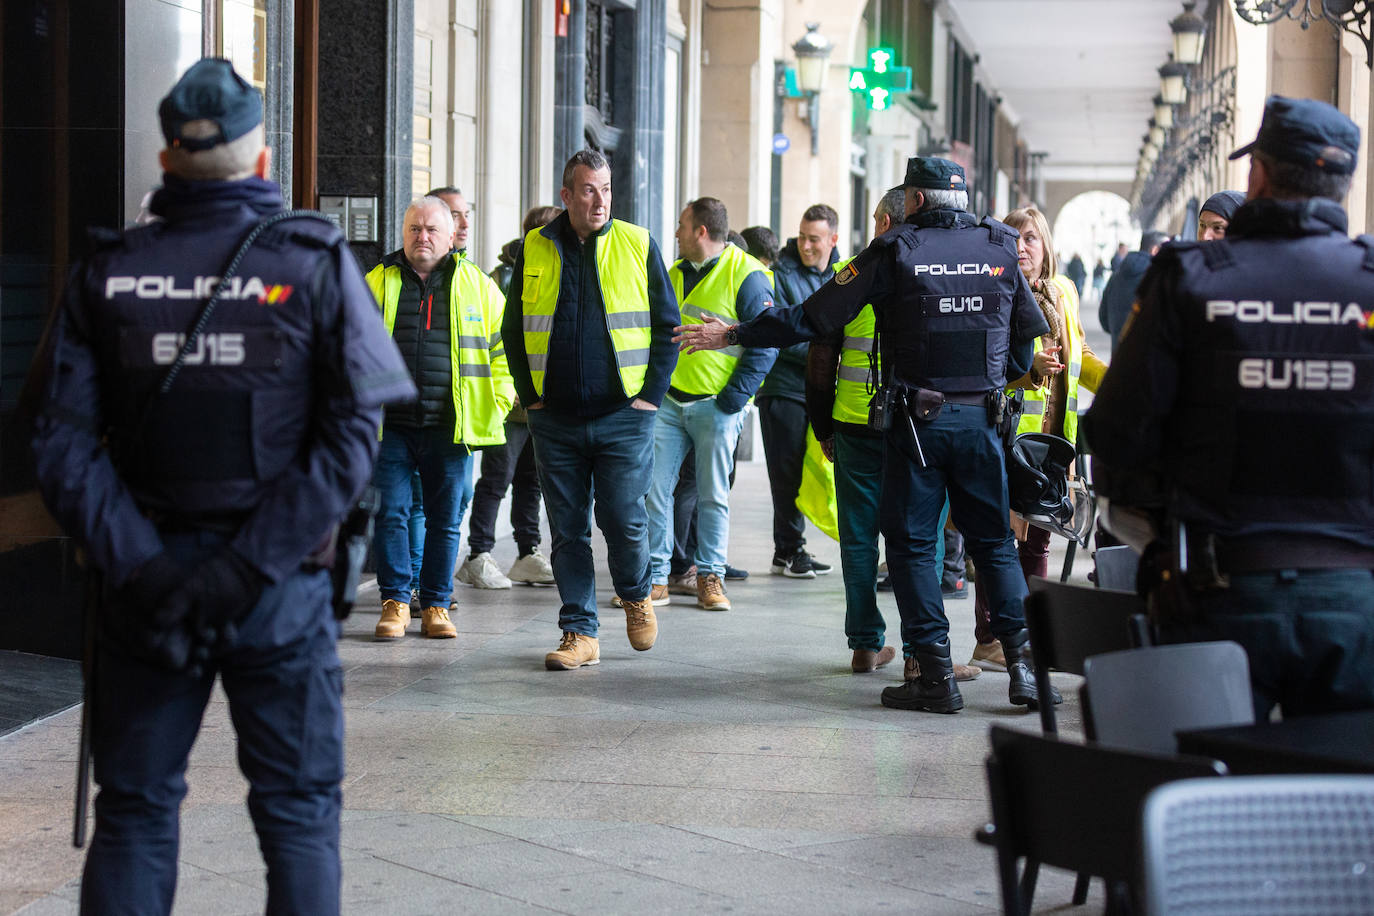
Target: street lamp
1353	16
813	51
1190	33
1171	82
1164	113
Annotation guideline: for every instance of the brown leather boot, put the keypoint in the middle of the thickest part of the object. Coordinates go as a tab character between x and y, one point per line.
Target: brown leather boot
436	624
640	623
395	616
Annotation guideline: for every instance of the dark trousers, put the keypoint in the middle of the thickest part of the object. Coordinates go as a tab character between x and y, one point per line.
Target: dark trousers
782	423
612	455
954	560
1309	635
963	458
1034	556
506	466
284	683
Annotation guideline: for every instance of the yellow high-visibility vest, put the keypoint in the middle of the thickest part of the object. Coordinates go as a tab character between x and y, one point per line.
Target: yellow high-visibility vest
709	371
482	388
1033	417
622	270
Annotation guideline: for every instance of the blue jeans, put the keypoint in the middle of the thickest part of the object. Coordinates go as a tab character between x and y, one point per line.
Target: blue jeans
1309	635
613	456
963	459
681	427
445	479
284	683
858	499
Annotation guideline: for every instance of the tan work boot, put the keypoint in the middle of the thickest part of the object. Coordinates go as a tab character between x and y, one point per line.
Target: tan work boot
866	660
574	650
989	656
961	672
711	593
436	624
395	616
640	624
658	594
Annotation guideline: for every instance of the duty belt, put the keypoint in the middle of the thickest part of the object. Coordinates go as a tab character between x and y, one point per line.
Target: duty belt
1269	552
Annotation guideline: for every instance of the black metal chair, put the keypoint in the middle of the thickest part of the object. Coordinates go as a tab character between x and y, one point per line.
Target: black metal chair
1140	698
1071	806
1260	845
1115	567
1070	622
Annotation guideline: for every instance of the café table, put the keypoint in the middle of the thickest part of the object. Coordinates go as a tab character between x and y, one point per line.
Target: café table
1341	742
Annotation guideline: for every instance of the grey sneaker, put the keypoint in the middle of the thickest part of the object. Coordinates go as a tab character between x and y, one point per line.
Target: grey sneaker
481	571
532	569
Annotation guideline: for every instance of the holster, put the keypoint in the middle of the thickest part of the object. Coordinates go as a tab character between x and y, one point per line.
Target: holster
924	404
350	552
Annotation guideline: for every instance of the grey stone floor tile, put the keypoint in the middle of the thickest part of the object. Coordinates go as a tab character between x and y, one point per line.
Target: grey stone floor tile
770	839
612	892
204	893
27	905
491	865
535	828
393	833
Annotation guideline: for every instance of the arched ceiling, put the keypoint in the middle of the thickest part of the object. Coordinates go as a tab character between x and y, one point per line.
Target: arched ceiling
1079	75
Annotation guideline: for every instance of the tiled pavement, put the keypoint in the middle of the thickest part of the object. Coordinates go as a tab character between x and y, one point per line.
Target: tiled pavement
738	767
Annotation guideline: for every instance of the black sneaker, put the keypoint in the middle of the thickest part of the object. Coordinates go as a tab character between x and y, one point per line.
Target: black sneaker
885	582
797	566
735	575
819	568
415	603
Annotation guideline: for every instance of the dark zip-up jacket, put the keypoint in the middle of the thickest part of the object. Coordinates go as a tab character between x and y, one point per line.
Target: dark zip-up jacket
582	378
793	282
422	335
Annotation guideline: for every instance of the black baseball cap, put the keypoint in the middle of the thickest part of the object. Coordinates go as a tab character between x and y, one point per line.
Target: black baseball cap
1306	132
210	91
934	174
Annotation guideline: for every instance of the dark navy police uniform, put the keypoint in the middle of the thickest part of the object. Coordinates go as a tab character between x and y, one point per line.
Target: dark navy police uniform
1242	400
1239	411
952	310
246	464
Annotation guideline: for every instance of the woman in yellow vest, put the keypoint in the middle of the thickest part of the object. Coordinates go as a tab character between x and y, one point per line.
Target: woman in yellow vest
1051	401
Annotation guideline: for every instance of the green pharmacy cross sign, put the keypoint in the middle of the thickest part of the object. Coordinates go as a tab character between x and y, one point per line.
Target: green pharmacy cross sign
881	79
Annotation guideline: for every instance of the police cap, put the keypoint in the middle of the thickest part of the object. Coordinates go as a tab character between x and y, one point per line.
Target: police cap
934	174
1306	132
211	91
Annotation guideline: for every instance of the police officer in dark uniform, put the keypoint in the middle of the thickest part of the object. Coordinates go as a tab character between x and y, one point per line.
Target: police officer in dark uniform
955	321
203	496
1237	421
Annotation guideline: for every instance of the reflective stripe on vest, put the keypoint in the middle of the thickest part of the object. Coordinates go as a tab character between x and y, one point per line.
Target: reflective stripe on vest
854	380
474	322
715	295
1032	416
622	273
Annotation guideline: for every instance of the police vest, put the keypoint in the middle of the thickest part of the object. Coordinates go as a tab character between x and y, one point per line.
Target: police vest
854	379
709	371
239	411
948	324
1032	418
622	272
1272	428
482	392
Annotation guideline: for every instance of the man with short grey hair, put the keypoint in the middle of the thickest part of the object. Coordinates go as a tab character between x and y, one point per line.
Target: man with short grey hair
445	315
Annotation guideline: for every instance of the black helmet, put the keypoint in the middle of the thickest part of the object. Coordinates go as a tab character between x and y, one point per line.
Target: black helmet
1039	486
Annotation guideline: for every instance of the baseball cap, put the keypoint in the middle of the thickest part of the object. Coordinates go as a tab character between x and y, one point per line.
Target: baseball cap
1306	132
935	174
211	91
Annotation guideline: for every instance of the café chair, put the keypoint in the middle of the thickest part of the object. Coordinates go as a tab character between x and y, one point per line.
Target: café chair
1068	623
1116	568
1260	845
1071	806
1140	698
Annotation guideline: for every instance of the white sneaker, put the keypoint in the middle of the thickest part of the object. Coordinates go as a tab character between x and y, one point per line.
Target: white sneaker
532	569
481	571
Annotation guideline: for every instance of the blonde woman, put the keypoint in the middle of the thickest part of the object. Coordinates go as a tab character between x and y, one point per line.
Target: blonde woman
1051	393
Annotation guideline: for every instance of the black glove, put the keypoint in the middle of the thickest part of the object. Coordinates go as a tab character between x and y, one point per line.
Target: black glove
220	593
146	621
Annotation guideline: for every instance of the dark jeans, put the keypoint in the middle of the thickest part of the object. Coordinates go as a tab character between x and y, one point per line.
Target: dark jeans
964	458
1309	635
505	466
1034	556
954	560
613	456
782	423
444	476
284	683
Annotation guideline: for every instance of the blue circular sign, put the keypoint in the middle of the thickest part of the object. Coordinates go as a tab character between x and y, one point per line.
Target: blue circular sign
781	144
